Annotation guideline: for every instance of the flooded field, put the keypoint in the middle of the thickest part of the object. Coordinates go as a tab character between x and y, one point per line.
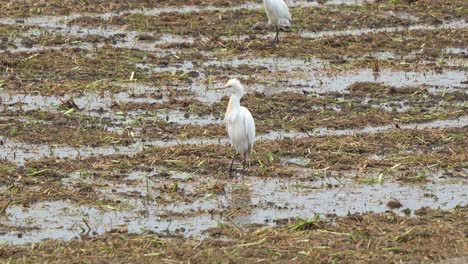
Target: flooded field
113	146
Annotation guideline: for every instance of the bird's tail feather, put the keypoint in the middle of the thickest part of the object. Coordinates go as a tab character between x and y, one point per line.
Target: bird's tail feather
285	22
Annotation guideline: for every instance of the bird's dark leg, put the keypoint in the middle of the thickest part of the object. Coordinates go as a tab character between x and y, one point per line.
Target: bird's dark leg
232	161
277	34
276	38
243	166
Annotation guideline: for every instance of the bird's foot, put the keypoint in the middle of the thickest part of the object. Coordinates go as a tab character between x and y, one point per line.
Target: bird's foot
232	172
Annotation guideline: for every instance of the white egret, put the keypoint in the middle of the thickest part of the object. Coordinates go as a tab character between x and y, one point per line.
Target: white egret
239	123
278	15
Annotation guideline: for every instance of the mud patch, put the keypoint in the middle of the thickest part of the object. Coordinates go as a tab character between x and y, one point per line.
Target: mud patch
267	202
340	239
113	139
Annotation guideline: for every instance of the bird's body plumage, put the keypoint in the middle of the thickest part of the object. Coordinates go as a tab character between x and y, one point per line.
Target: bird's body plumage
241	130
277	12
278	15
240	124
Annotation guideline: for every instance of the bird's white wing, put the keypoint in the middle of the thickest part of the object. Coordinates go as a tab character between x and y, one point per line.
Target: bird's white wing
228	119
283	11
232	122
232	116
278	12
270	10
249	126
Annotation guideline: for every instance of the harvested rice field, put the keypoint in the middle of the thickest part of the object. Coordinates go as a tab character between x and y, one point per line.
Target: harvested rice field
113	146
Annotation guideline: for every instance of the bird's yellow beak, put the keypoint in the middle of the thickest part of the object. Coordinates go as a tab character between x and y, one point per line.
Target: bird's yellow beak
221	88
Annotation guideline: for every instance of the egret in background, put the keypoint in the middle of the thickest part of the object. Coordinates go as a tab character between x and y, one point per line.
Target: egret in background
278	15
239	123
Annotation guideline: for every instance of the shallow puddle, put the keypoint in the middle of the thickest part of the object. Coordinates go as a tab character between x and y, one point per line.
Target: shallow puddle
87	103
183	118
129	39
456	51
302	200
275	135
460	24
57	20
448	79
252	6
272	63
19	152
159	200
314	79
253	201
64	221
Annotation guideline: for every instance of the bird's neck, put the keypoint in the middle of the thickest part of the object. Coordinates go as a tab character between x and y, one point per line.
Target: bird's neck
234	102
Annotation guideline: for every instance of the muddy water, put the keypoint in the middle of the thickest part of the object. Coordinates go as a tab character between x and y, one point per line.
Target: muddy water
313	80
129	39
275	135
99	106
195	208
19	46
64	221
317	81
296	75
137	93
301	200
184	66
124	42
457	51
189	9
56	20
272	63
19	152
124	38
261	201
352	32
183	118
94	105
446	80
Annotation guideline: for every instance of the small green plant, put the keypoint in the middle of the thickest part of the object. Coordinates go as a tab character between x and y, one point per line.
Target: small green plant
13	132
369	180
270	157
407	212
304	224
175	187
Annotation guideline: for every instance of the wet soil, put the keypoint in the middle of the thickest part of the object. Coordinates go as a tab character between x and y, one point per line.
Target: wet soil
29	8
113	146
382	237
246	21
45	128
403	149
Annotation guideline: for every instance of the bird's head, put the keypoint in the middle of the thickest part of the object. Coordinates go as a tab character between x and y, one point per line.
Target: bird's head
235	87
